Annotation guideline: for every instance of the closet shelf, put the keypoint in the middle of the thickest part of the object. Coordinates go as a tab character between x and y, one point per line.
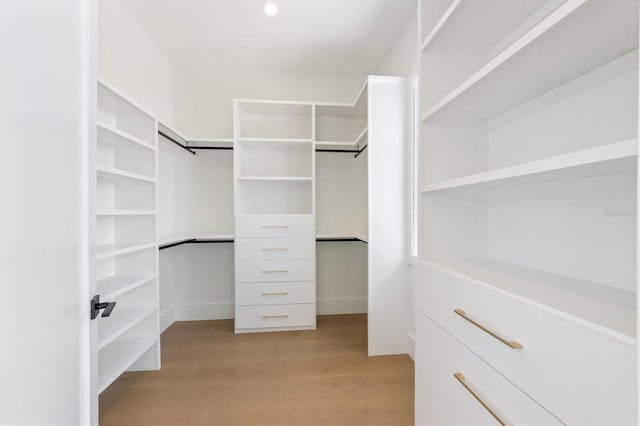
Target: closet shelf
342	237
276	178
609	159
119	356
126	213
112	136
106	251
105	172
110	328
348	144
604	309
117	285
276	140
172	240
512	78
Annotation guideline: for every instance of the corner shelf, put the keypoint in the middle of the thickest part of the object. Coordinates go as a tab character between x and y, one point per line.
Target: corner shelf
276	178
613	158
116	358
127	213
110	328
117	285
112	136
105	251
111	173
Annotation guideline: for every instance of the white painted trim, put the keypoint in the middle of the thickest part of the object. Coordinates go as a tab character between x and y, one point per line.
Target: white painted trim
341	305
167	318
411	346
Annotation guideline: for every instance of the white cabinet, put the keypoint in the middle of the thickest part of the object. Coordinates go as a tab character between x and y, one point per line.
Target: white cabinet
126	237
528	172
274	189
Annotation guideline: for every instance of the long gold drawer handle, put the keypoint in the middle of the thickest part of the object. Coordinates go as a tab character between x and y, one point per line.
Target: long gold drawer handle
275	226
275	249
281	293
460	377
275	316
274	271
512	345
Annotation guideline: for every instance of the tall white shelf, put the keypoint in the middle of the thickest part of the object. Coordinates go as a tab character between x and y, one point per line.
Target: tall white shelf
274	191
126	237
528	175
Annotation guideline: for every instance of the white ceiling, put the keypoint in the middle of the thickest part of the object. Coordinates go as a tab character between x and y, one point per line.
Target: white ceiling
307	36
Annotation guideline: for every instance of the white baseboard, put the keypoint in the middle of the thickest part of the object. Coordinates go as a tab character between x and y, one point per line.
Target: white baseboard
166	319
204	311
411	346
341	305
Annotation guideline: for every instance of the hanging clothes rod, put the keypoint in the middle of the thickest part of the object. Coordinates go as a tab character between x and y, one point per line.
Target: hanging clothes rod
169	138
194	241
229	148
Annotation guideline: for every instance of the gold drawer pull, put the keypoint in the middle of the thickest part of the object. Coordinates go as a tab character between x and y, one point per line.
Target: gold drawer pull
512	345
275	249
281	293
275	226
460	377
274	271
275	316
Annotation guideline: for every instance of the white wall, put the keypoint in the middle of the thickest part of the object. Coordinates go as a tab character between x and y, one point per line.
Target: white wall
402	57
203	102
130	61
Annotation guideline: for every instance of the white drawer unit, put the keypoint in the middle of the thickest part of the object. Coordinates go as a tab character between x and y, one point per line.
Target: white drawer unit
275	226
257	271
455	387
275	317
248	294
275	248
553	360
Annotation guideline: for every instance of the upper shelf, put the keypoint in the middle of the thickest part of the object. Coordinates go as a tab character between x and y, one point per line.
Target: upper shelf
112	136
576	38
603	160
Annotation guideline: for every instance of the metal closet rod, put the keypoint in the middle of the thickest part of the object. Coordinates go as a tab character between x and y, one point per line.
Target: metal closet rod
186	148
193	241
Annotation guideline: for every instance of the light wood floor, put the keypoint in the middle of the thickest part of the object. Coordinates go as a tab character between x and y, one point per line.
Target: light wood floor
211	376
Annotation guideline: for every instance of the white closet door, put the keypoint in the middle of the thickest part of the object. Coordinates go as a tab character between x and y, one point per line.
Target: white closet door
44	316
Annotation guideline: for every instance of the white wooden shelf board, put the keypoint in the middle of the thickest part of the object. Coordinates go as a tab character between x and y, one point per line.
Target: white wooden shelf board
608	159
105	251
112	136
167	239
361	237
127	213
120	321
110	173
116	285
276	178
276	140
119	356
605	309
512	78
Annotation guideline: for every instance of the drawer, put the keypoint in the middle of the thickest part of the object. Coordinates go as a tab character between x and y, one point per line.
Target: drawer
443	399
275	293
258	271
275	226
275	248
275	317
581	376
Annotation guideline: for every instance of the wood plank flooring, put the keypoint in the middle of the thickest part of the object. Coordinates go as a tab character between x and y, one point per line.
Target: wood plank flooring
210	376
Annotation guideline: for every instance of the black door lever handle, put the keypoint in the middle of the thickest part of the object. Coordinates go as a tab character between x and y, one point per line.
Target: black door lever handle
97	306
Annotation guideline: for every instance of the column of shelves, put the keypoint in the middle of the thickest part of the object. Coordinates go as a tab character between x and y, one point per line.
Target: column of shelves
274	168
126	237
529	157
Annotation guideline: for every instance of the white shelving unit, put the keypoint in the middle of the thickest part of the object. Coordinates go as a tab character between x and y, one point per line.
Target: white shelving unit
528	172
274	187
126	237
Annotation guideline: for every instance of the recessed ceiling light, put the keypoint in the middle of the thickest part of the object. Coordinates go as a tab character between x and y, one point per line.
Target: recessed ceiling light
271	9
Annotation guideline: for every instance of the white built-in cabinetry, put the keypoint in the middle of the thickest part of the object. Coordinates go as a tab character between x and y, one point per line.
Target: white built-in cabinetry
528	212
274	187
126	237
